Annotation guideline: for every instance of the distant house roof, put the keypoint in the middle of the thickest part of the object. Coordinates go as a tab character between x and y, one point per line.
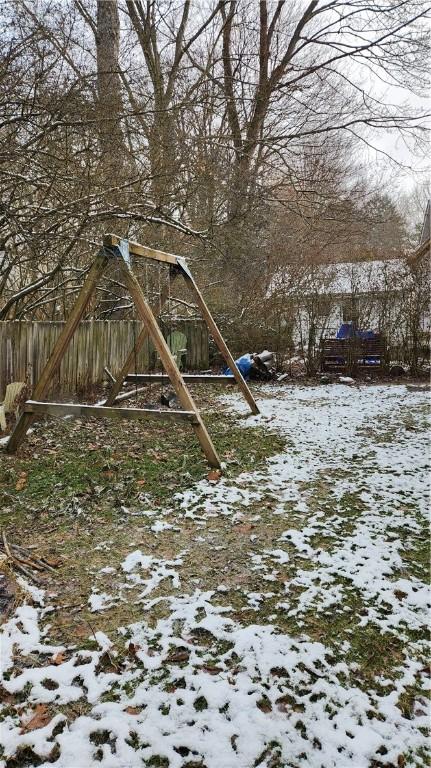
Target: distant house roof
341	279
366	277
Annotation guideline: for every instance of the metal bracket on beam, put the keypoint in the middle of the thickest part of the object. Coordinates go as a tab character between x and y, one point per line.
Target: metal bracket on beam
184	266
123	247
120	251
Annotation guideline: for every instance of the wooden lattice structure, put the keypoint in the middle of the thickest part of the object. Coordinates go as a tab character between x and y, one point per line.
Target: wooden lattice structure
122	252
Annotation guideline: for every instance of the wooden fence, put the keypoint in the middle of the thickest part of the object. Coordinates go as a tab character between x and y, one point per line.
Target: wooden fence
25	347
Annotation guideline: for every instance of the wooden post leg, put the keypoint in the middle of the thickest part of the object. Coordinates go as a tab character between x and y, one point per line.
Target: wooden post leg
169	363
219	340
140	341
60	348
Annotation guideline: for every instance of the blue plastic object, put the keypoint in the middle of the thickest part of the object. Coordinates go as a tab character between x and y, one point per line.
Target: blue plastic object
348	331
244	364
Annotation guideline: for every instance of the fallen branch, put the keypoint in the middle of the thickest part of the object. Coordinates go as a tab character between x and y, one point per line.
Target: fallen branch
14	563
40	561
22	560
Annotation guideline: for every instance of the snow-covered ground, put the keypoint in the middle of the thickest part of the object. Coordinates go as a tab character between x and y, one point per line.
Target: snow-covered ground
202	687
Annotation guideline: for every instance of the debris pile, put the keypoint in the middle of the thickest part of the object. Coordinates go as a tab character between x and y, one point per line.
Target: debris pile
258	367
263	366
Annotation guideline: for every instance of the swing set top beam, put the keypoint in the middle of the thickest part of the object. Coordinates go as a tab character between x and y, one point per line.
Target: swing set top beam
136	249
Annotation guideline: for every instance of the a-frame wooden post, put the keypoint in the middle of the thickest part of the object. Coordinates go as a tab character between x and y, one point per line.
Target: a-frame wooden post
87	290
140	341
137	250
168	362
218	338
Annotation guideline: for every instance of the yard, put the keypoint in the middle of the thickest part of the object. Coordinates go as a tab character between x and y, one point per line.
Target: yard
274	617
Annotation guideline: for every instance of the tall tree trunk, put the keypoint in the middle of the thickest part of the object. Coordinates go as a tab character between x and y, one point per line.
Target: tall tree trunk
115	166
110	105
162	151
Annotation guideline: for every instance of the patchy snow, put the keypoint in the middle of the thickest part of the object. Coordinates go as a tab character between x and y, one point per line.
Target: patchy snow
103	640
201	685
313	709
4	440
279	555
158	571
100	601
300	540
134	559
37	595
107	569
161	525
22	633
369	562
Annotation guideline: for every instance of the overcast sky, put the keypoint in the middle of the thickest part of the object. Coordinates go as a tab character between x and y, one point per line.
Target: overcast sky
402	150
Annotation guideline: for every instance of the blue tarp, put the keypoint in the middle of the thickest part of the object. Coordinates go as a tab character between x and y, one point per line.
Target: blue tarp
349	331
244	364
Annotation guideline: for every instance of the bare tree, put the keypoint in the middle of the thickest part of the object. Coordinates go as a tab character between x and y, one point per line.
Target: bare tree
206	129
165	40
307	77
109	93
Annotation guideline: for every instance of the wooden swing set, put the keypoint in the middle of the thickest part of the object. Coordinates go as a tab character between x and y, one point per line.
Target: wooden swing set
121	252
